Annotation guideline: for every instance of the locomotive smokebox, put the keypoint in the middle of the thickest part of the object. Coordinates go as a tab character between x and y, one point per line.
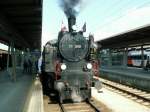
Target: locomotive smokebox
71	22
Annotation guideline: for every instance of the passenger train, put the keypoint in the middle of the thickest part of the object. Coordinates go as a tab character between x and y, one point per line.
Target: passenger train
135	58
69	65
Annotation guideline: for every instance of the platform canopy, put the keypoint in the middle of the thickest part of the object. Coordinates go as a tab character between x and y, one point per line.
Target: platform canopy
21	22
135	37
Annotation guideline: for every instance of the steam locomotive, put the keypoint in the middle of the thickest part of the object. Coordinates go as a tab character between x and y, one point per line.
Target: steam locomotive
69	65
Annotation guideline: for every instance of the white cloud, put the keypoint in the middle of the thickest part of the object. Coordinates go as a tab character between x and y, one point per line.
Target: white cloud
132	19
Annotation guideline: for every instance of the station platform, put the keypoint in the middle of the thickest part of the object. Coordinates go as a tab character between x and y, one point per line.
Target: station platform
13	94
131	76
129	71
34	102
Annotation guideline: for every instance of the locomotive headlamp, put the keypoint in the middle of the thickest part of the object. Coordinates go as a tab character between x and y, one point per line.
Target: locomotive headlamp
89	66
74	27
63	66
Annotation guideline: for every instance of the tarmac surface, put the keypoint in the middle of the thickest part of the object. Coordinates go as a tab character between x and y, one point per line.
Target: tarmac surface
13	94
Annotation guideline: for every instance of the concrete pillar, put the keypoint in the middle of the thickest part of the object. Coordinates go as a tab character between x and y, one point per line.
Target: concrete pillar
125	57
13	62
110	58
16	57
142	57
8	57
22	57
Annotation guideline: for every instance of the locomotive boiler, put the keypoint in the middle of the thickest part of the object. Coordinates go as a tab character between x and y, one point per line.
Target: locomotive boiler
69	64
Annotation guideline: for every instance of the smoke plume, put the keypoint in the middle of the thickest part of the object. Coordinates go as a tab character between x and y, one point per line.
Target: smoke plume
70	7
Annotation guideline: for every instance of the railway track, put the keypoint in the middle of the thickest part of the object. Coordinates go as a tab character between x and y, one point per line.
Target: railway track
79	107
139	96
50	106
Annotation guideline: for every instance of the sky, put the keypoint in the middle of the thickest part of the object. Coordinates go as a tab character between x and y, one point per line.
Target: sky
103	18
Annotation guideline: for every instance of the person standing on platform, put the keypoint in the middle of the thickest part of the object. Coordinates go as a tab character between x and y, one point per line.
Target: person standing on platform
148	63
25	65
38	66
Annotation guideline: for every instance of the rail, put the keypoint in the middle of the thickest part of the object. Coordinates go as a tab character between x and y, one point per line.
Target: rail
142	95
79	107
93	106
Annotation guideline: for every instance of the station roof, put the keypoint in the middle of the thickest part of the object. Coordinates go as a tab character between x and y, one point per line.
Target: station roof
26	18
135	37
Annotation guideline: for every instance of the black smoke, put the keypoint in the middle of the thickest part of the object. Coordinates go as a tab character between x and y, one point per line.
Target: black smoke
70	7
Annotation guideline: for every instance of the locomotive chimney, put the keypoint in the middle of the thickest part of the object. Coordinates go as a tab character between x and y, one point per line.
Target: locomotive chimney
71	22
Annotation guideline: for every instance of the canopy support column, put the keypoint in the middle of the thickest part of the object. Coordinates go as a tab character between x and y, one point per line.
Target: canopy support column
13	62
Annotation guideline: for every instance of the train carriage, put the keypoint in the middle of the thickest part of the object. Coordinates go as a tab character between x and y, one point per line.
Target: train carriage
135	58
